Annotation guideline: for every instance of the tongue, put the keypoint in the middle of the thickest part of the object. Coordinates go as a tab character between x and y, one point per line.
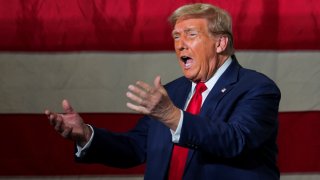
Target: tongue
188	63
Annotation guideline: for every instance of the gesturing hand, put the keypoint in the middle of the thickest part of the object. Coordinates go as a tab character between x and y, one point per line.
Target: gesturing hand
69	125
153	101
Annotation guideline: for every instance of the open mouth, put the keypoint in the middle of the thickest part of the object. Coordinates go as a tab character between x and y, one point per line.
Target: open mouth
187	61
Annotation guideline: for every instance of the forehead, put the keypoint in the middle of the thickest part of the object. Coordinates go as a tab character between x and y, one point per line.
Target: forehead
190	23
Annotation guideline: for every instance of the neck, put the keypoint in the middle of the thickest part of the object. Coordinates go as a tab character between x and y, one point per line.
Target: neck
221	59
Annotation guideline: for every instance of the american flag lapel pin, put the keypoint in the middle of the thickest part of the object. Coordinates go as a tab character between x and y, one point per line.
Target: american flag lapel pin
223	90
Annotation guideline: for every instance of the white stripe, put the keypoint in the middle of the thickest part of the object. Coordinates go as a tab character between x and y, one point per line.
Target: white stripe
300	176
97	82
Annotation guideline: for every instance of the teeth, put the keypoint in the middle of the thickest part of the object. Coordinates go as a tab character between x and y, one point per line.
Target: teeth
188	63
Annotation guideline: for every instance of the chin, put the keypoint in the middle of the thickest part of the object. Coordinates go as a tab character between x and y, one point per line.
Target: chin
188	76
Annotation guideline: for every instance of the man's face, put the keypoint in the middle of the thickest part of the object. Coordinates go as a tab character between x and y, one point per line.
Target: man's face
195	49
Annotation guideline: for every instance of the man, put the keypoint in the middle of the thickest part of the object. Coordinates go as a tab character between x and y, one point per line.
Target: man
232	136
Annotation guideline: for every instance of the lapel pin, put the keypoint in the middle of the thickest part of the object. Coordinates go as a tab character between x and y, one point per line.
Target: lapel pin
223	90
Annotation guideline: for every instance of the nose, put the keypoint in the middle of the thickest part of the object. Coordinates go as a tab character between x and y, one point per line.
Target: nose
181	44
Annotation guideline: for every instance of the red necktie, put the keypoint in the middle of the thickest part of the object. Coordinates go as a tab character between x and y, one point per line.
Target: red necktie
180	154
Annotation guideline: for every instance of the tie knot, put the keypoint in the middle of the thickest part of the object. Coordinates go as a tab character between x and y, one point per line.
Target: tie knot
201	87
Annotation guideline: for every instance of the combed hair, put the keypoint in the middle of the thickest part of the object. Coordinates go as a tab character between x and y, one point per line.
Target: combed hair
219	21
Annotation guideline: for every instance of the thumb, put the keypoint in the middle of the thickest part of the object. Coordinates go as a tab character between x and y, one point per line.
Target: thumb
157	82
158	85
67	107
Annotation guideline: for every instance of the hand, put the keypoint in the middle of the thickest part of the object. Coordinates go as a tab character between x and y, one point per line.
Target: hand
70	125
154	101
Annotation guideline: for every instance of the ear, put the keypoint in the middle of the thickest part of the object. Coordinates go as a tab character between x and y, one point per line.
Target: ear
222	43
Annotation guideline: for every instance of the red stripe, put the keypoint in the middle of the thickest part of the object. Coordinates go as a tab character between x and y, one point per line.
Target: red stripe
30	146
299	144
34	25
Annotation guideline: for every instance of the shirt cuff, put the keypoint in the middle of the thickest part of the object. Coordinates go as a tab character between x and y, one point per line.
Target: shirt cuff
176	134
81	150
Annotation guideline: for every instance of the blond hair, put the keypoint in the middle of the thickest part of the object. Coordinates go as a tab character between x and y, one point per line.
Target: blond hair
219	21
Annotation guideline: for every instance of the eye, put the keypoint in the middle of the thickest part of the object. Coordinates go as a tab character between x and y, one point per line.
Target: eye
176	36
192	34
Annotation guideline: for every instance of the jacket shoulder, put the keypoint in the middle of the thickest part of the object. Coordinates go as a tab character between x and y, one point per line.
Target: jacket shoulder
253	79
177	83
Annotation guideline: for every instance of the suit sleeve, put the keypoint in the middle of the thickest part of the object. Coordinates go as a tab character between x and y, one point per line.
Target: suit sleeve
121	150
244	120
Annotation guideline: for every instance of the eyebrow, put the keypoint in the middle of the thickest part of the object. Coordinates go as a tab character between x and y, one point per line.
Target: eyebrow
185	30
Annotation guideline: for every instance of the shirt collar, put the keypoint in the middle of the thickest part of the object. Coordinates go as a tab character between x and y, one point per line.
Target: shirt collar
212	81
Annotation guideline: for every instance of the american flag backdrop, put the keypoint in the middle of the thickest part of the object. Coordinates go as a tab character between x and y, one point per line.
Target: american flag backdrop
89	51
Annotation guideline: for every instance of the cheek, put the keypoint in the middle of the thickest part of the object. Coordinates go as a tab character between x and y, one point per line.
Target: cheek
199	46
176	46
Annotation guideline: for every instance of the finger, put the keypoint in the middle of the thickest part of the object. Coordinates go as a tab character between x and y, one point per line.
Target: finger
137	108
145	86
138	92
58	122
67	107
66	132
47	112
52	118
57	126
135	98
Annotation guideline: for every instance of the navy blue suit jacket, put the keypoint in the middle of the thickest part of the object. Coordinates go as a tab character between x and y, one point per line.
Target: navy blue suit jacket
233	137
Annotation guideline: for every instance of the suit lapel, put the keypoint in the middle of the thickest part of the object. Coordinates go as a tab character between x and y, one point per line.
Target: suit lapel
222	87
182	94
